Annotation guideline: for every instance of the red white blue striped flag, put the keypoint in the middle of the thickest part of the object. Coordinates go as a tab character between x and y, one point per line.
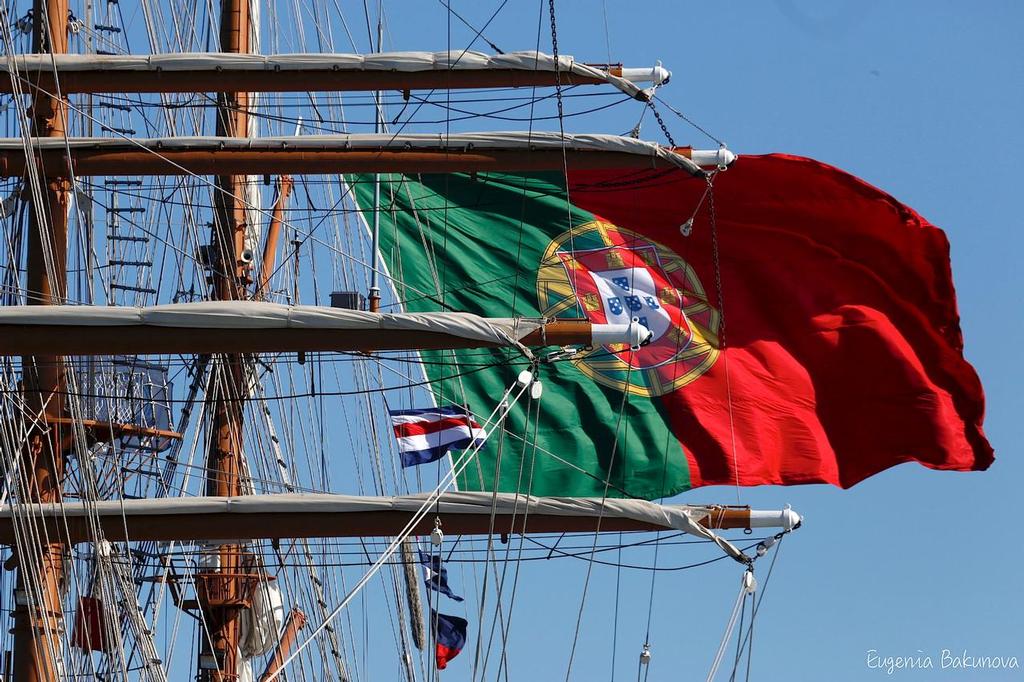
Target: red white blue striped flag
426	435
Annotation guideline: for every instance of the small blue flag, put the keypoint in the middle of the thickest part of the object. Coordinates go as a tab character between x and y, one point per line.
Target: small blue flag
436	575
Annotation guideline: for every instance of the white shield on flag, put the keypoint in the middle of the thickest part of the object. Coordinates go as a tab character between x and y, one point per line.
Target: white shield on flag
622	276
630	292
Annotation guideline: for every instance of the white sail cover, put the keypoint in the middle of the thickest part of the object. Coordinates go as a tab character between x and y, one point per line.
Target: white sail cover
496	140
261	623
259	315
408	62
685	518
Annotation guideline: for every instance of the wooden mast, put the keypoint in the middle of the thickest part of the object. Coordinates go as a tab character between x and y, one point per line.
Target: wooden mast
284	189
289	634
222	590
38	612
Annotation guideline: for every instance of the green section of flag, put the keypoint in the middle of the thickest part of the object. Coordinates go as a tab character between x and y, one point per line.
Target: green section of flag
474	243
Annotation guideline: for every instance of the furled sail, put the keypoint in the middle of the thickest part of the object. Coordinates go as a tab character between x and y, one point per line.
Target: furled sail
351	153
329	515
248	326
320	71
842	355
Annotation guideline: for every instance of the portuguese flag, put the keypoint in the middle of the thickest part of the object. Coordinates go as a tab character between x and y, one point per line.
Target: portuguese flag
805	324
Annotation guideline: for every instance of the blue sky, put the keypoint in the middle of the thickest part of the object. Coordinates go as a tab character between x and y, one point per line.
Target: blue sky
924	100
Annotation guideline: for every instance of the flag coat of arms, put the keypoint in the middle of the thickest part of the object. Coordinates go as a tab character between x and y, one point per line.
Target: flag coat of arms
805	324
426	435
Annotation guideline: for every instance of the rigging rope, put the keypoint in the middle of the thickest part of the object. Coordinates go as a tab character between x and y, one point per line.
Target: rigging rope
494	421
729	626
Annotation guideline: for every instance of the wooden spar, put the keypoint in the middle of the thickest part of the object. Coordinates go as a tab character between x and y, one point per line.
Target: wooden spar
160	340
231	275
216	526
328	79
101	431
148	159
38	612
296	621
284	189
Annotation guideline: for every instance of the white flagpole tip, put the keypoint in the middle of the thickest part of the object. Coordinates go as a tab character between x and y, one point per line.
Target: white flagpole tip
721	157
633	334
656	75
786	519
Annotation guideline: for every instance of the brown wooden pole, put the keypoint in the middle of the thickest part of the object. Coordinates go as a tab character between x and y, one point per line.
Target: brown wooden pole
38	612
186	527
296	621
291	80
284	189
103	432
152	339
221	591
264	159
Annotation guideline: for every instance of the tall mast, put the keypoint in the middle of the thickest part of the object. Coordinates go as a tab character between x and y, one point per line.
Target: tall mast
221	589
38	612
378	127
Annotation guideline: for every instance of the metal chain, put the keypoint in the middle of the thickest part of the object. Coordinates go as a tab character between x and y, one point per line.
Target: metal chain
554	54
688	120
661	122
717	262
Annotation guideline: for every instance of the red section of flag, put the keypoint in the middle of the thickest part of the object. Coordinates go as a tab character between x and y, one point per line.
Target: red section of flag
449	637
444	654
427	427
843	348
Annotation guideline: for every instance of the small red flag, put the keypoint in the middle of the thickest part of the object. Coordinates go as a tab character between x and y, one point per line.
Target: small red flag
89	632
450	637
